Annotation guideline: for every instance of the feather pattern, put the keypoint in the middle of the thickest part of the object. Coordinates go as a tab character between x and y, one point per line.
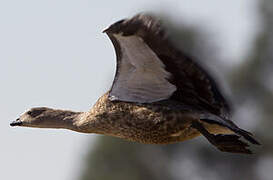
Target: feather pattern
193	85
142	77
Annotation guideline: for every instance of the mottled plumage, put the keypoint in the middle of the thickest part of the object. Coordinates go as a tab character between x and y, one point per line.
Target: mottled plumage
159	95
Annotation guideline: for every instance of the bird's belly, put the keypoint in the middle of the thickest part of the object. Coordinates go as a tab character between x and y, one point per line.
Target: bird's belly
164	133
155	133
158	138
153	124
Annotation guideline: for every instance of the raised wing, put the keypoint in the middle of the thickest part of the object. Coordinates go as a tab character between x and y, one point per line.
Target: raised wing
141	76
150	68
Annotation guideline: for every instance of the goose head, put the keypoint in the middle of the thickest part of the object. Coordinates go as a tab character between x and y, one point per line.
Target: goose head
43	117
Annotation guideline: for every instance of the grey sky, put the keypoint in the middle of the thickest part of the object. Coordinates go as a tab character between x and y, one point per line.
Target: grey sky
52	53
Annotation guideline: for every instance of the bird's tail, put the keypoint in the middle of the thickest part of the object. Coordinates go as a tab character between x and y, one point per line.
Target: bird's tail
213	119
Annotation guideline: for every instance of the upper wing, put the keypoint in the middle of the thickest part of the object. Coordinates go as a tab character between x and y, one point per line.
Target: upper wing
141	76
150	68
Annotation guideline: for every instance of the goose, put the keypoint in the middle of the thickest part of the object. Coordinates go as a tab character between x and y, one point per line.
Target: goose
159	95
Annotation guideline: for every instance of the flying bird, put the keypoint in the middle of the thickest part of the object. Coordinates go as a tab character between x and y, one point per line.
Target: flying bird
159	95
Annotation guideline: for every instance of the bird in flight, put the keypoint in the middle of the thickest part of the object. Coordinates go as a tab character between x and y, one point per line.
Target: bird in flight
159	95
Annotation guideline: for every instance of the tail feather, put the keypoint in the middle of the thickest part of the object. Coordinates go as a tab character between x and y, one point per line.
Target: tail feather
231	143
247	136
213	119
224	142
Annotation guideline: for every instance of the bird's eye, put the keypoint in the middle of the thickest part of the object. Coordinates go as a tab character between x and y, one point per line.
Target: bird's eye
29	113
35	112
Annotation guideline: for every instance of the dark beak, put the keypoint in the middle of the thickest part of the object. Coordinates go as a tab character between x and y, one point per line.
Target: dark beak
16	123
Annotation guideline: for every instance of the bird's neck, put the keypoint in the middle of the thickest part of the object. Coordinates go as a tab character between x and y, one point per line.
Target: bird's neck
84	122
71	120
93	121
61	119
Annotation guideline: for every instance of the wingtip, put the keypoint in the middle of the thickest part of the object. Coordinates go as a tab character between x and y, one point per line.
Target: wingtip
114	28
105	30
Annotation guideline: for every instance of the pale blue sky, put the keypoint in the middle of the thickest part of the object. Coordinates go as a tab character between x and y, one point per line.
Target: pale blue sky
52	53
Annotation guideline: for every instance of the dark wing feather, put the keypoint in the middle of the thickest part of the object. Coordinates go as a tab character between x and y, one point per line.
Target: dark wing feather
194	85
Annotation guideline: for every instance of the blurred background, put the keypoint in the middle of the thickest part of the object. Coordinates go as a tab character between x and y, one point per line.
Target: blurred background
52	53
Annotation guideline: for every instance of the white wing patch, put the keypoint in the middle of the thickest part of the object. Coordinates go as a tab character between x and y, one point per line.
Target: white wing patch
141	75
